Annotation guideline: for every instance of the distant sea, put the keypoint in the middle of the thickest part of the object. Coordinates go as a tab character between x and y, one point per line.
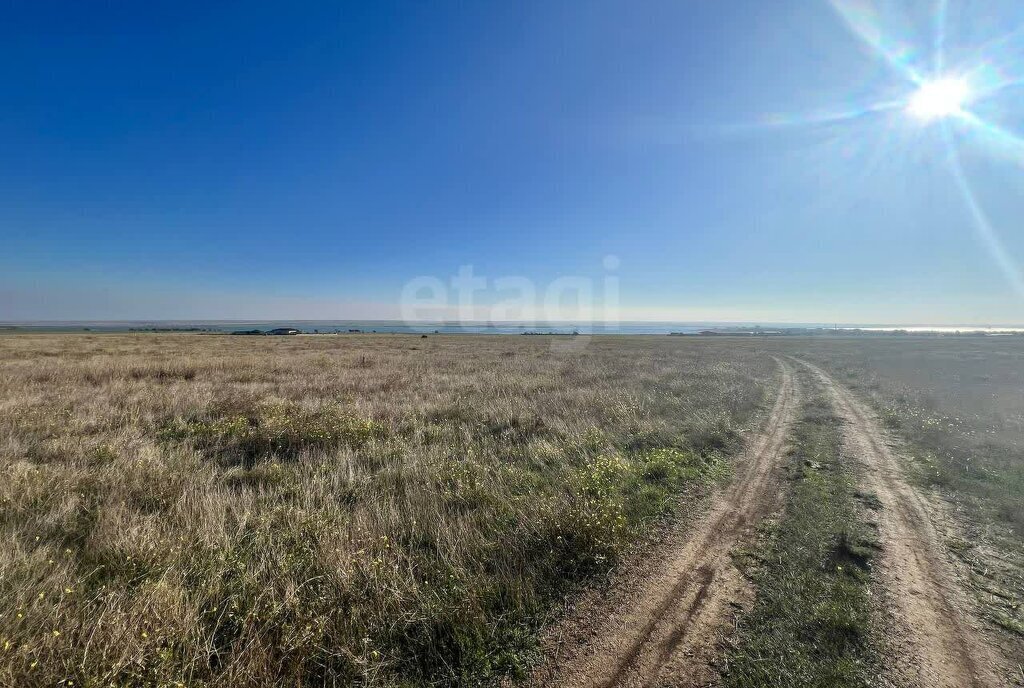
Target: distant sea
447	327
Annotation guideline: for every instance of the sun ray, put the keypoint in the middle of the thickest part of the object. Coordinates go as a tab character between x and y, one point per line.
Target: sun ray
989	73
861	18
941	12
982	225
832	116
989	86
987	48
1003	141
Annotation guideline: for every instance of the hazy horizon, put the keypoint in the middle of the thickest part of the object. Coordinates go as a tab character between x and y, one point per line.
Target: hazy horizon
477	326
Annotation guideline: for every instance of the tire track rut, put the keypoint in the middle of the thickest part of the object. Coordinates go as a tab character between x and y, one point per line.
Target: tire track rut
662	625
937	642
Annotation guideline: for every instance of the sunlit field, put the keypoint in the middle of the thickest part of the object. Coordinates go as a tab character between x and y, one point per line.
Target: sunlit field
385	510
230	511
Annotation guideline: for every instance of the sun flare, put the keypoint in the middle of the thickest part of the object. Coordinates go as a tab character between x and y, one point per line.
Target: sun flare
938	99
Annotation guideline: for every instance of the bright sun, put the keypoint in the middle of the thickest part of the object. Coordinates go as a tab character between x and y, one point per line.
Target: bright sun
938	99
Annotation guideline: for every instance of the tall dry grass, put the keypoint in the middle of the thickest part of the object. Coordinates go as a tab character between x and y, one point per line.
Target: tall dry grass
379	510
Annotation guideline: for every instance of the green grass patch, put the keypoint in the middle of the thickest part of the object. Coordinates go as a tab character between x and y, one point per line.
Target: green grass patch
956	402
272	430
810	624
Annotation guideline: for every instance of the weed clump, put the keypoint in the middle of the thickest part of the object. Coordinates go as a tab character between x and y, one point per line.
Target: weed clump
613	496
282	430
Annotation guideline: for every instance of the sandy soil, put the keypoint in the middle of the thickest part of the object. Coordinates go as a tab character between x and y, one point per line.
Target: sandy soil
933	638
661	621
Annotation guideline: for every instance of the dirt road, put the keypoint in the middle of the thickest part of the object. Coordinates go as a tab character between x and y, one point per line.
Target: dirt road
936	641
660	624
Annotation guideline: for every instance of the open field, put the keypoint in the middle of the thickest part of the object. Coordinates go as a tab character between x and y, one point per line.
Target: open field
396	510
218	511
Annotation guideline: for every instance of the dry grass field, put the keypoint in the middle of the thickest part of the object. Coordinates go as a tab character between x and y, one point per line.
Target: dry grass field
388	510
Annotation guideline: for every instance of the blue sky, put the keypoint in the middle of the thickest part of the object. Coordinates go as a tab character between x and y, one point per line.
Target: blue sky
307	160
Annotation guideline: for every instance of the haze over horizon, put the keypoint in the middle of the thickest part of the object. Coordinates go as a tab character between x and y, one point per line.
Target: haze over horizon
731	161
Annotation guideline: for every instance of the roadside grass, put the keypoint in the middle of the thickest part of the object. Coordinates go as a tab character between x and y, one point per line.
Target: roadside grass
326	511
957	402
810	624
